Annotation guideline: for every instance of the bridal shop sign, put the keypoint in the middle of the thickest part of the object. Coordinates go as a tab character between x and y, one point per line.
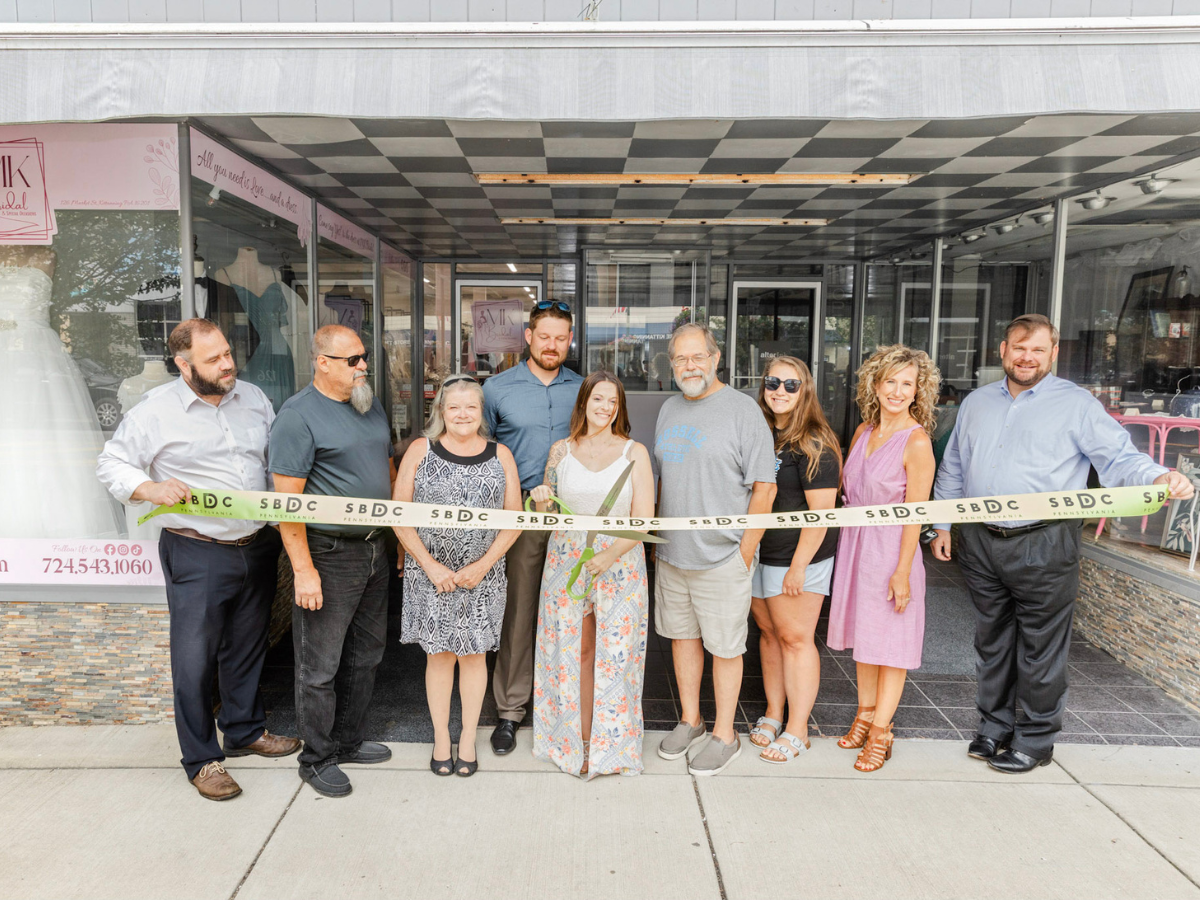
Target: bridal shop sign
343	232
92	561
219	166
499	326
44	168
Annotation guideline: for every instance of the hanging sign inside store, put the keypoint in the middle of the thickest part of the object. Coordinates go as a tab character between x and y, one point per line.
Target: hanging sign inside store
227	172
397	261
343	232
44	168
267	506
94	561
499	326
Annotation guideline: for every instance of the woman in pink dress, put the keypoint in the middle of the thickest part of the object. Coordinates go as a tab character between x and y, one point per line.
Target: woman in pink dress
878	601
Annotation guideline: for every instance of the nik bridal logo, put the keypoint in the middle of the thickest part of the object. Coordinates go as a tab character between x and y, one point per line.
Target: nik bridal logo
25	213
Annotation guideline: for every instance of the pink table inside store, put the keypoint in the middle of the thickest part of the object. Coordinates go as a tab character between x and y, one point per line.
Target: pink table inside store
1157	428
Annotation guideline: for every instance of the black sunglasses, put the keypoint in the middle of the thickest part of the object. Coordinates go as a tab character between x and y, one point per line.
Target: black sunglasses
543	305
791	385
351	361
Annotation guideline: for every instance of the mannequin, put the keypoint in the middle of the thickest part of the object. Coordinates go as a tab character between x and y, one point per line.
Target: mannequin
154	372
278	316
50	434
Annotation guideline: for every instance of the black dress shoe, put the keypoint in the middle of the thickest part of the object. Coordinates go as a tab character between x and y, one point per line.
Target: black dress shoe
1014	762
985	747
368	753
504	738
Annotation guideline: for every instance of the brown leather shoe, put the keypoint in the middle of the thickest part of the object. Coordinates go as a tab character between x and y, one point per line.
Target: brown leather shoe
214	783
269	745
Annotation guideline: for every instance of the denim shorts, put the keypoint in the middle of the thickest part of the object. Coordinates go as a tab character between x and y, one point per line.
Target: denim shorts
768	580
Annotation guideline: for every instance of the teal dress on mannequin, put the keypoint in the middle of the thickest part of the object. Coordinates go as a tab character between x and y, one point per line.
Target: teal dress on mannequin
271	366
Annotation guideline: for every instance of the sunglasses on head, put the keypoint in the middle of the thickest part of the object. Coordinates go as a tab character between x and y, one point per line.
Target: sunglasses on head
351	361
454	379
791	385
543	305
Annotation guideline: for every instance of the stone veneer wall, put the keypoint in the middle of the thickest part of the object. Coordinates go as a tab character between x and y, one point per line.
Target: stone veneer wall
1152	630
84	663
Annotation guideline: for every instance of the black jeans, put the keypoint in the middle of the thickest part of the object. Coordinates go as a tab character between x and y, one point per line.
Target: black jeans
1024	591
220	601
339	646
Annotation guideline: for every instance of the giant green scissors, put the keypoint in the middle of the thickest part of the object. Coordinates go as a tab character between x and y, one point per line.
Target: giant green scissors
605	508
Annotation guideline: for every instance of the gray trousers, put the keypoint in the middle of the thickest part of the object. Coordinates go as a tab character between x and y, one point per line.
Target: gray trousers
512	682
1024	591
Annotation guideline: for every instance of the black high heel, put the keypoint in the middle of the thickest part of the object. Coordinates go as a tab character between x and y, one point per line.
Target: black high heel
465	769
442	767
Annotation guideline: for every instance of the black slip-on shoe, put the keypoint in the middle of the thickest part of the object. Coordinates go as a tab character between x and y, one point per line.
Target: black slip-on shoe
1014	762
504	738
327	780
368	753
986	748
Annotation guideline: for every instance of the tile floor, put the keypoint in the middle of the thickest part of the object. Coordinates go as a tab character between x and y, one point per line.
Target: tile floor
1107	703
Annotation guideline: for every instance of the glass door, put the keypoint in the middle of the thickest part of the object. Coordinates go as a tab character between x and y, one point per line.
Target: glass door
771	319
491	324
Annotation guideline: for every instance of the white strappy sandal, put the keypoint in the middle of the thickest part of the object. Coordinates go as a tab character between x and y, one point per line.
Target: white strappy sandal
760	728
788	745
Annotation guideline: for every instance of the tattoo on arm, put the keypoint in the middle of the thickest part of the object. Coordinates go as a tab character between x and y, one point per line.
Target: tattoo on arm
557	453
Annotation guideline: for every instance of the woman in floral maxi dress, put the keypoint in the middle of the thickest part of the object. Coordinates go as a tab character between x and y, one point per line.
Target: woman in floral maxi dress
590	654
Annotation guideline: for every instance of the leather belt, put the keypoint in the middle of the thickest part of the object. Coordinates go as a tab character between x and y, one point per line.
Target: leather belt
1015	532
197	536
370	535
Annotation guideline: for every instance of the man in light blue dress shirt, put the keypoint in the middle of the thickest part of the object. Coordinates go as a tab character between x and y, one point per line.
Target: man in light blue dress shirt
1030	432
527	408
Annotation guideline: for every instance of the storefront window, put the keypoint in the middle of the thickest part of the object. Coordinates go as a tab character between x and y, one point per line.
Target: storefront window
836	369
399	274
978	301
251	265
635	299
1131	328
346	270
89	279
880	309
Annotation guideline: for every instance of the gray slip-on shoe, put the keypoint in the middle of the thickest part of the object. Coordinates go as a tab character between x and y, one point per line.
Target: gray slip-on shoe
715	757
681	740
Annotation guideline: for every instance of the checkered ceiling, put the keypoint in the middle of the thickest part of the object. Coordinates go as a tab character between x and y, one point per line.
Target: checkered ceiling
413	179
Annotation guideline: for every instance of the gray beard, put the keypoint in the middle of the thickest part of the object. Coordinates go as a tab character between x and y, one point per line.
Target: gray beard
695	390
361	396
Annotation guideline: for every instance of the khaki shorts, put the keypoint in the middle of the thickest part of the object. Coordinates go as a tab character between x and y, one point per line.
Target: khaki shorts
710	604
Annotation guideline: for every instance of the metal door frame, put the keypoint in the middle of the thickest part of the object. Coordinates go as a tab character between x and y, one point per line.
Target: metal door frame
815	326
537	284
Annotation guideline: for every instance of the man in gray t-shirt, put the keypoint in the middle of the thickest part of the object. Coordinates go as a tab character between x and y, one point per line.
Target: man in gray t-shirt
715	456
332	438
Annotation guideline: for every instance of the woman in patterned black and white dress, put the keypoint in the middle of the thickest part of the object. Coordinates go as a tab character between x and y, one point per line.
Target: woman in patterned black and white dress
454	581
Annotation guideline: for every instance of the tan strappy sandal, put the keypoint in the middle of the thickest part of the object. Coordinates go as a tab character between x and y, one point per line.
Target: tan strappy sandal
876	751
857	735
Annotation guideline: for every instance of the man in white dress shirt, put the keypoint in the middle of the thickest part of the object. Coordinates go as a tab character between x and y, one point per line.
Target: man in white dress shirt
207	430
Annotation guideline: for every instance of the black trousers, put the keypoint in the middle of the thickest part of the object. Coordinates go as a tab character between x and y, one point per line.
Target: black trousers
220	601
1024	591
339	646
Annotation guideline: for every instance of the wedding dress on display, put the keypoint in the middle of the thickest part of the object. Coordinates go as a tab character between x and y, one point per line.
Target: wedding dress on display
50	438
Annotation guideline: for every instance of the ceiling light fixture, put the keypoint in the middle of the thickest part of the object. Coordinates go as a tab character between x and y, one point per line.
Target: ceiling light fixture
1099	201
213	196
737	221
1154	184
573	179
1004	227
511	267
1043	218
972	236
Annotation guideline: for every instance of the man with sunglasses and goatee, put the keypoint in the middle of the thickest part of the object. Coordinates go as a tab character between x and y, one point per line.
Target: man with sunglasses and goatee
333	439
527	408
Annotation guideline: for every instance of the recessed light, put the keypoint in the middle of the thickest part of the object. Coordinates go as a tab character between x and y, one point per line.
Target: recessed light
511	267
736	221
568	179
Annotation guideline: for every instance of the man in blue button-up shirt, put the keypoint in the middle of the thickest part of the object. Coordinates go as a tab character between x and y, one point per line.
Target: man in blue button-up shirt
528	408
1028	433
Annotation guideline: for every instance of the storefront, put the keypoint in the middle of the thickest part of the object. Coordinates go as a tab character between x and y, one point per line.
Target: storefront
805	226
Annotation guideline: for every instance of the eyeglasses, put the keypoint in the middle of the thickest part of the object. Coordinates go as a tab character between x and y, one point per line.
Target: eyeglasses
351	361
700	359
791	385
543	305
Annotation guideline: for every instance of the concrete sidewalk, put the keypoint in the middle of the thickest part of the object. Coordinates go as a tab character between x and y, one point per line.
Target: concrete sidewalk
97	812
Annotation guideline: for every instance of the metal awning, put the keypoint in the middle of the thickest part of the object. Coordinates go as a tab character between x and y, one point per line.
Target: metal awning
879	70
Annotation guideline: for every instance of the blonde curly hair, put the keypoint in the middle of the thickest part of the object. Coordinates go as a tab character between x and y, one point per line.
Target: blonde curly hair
885	362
